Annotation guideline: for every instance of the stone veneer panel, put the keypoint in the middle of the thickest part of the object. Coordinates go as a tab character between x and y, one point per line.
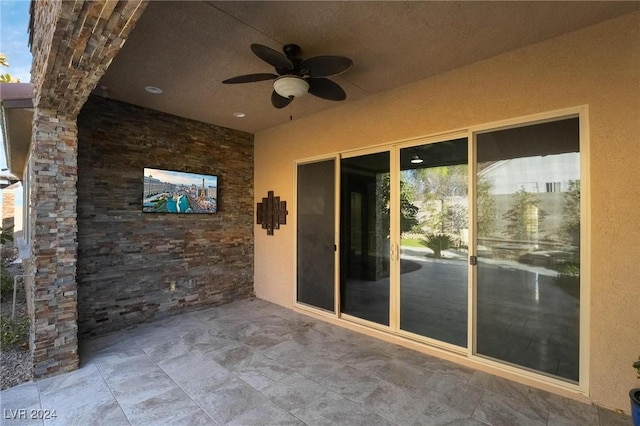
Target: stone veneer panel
52	290
72	43
128	262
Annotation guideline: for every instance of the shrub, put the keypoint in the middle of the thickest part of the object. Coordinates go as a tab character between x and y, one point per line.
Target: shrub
568	273
6	234
438	242
13	332
6	283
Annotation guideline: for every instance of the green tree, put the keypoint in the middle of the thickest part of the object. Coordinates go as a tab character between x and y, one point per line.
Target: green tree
486	205
408	210
524	217
441	186
6	78
570	227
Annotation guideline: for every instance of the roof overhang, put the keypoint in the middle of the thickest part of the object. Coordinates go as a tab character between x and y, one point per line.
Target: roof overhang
16	116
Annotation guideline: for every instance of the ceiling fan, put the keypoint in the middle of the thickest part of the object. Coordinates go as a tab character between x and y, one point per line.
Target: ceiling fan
296	76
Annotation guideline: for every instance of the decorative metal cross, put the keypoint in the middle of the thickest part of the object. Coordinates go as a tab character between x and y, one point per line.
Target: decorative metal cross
271	213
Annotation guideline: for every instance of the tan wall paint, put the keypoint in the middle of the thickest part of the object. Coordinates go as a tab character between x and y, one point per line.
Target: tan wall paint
599	67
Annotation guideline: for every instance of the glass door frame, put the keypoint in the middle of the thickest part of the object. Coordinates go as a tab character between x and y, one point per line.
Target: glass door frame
444	137
336	217
394	225
582	113
394	240
470	132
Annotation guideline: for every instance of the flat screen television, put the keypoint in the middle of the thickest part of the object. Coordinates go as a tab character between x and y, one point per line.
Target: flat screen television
168	191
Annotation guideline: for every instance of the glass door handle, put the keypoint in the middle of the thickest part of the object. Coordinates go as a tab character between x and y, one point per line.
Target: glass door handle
394	252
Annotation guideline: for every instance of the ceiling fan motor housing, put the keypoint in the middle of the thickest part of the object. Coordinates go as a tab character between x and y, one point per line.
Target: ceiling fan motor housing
291	50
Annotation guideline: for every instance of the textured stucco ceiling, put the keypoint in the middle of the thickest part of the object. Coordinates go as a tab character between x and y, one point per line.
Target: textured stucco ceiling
188	48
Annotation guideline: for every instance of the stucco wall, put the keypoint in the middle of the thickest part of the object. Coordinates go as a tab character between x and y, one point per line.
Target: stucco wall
599	67
135	266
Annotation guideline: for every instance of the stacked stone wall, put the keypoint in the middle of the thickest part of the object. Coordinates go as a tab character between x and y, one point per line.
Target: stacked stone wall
72	43
53	292
134	266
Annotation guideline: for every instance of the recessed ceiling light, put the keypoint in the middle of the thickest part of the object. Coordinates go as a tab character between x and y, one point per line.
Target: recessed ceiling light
239	114
153	89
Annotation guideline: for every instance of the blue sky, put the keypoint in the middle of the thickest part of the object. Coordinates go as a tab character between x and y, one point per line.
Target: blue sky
182	178
14	38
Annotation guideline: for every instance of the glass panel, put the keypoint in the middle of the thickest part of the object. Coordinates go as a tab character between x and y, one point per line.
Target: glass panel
365	237
434	226
528	294
316	234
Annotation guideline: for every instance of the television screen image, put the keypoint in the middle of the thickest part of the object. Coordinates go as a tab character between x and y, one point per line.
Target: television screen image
167	191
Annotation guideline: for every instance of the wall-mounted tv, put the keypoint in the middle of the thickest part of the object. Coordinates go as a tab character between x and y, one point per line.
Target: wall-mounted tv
167	191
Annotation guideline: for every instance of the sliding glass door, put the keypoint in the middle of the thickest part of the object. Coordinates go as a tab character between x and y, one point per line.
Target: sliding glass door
528	246
470	245
364	237
434	239
404	239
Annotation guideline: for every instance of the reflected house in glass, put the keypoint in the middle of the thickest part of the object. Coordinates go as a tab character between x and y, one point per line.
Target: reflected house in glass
166	191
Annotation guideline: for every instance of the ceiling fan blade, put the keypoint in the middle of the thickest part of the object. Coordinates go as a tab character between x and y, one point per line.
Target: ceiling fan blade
250	78
272	57
326	89
279	101
326	66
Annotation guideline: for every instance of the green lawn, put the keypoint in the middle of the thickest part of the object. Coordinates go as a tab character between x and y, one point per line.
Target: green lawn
411	242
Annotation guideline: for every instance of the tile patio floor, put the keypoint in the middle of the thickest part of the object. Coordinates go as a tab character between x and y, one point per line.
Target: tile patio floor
255	363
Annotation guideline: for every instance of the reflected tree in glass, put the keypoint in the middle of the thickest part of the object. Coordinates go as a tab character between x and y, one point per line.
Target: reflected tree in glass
528	237
434	272
442	186
486	209
525	218
571	214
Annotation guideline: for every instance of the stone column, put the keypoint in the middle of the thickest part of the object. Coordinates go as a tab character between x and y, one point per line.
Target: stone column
52	290
72	43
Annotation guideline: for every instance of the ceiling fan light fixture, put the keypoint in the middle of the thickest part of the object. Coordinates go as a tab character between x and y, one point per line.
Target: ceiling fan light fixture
416	160
289	86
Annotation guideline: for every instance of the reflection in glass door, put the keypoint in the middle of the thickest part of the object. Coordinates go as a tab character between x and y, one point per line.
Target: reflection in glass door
364	241
528	247
434	226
